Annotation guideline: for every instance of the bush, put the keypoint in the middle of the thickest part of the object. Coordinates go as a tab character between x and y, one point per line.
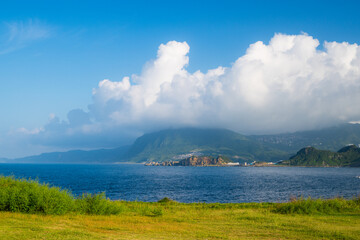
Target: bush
166	200
96	204
29	196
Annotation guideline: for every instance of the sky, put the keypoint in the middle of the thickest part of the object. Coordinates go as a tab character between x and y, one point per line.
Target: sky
98	74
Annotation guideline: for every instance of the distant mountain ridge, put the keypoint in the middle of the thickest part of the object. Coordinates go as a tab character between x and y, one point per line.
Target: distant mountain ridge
332	138
77	156
348	156
176	144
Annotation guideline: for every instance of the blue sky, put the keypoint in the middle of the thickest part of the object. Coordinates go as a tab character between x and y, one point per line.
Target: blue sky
54	54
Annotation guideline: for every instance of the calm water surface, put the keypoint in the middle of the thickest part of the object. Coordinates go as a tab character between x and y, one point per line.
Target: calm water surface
194	184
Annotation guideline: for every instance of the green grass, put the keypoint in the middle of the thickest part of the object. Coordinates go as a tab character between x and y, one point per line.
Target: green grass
95	217
318	206
96	204
140	220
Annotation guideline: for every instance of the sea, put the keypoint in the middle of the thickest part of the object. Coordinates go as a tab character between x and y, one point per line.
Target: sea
135	182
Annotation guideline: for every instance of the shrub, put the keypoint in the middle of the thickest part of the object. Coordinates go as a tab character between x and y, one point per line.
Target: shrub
166	200
96	204
29	196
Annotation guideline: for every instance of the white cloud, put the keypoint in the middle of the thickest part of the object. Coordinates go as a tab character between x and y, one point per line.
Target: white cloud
30	132
21	33
285	85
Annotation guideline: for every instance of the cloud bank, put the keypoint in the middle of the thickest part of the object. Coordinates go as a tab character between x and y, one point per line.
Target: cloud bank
283	86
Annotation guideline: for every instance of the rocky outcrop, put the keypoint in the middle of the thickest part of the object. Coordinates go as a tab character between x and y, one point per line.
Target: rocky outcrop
202	161
193	161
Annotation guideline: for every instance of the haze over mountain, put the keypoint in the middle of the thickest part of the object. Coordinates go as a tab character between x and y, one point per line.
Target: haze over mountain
76	156
332	138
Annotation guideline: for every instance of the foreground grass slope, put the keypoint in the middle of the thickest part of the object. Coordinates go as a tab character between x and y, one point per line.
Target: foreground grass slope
30	210
183	221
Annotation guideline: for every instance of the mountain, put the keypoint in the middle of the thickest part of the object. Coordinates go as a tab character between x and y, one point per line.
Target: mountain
332	138
348	156
176	144
77	156
181	143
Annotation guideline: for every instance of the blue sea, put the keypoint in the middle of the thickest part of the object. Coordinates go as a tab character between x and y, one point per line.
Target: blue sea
194	184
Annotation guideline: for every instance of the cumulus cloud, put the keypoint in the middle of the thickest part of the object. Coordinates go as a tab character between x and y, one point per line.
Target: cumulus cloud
285	85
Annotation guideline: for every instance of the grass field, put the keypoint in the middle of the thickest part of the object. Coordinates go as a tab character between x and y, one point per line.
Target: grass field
183	221
30	210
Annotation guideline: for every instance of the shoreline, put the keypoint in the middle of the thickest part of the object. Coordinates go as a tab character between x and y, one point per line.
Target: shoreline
143	164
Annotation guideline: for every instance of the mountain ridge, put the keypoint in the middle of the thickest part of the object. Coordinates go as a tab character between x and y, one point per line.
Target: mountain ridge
166	144
76	156
331	138
181	143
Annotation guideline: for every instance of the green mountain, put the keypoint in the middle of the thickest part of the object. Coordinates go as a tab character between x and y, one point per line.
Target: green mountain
332	138
348	156
180	143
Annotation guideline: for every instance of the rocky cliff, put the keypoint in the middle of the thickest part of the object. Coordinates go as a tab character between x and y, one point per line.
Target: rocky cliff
202	161
193	161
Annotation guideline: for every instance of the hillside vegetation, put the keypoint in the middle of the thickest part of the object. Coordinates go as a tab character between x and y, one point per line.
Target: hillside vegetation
169	144
348	156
